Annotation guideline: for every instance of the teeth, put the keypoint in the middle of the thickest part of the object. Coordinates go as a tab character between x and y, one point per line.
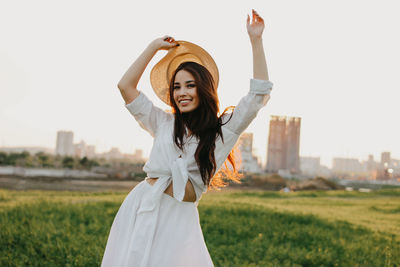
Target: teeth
184	101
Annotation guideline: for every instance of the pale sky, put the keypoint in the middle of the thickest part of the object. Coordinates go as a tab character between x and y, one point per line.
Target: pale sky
334	64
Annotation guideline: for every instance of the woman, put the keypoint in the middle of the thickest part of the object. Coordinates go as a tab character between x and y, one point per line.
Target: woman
158	222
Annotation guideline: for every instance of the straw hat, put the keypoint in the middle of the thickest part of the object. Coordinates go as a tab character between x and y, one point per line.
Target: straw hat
162	72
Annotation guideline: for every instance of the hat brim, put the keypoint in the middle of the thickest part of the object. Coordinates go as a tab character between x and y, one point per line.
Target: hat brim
162	72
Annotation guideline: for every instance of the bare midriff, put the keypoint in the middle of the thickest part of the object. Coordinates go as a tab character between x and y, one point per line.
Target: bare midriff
190	195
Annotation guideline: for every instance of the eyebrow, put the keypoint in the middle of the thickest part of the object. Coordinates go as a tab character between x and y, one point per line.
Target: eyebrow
186	82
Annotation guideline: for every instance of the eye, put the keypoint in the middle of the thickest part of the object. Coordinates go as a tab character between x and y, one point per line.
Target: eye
176	87
191	85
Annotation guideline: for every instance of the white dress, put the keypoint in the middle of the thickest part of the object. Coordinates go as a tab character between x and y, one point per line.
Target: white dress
152	228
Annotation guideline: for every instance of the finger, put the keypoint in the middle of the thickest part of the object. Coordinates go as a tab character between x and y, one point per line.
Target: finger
167	38
248	19
254	16
258	15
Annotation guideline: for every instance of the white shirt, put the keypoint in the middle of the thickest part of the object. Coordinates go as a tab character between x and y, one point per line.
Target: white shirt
171	164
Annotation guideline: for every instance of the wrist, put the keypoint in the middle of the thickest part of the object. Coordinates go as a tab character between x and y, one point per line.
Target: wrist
256	40
153	46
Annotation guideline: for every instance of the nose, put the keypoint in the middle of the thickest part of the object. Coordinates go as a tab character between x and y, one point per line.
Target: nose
182	91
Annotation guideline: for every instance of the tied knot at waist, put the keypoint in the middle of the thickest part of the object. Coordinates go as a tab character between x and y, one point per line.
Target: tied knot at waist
178	175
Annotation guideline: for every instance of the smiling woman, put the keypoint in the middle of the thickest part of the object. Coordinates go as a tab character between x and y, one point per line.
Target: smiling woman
158	222
185	91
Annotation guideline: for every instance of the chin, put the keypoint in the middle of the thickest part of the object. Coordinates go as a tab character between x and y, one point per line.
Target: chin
187	110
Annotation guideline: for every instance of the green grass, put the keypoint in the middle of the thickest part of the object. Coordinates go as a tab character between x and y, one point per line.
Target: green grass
41	228
49	234
252	235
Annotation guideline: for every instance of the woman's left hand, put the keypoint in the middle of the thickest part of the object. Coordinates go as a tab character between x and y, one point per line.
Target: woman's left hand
256	27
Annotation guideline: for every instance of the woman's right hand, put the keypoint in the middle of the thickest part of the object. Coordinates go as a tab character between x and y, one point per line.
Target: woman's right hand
164	43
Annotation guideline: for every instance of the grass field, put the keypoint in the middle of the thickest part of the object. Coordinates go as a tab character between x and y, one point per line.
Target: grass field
241	228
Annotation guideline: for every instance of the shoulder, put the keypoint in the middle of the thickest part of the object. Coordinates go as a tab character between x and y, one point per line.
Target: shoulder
169	115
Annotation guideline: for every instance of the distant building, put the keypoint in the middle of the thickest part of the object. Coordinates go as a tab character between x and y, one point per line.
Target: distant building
324	171
347	166
80	149
64	144
138	155
395	166
249	162
91	151
114	153
389	168
371	168
276	153
310	165
371	165
385	159
284	144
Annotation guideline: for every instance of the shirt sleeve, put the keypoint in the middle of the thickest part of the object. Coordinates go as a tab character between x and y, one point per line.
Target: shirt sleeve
248	107
146	114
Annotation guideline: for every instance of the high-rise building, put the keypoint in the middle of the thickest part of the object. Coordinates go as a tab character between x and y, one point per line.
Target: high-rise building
64	143
283	151
293	144
276	153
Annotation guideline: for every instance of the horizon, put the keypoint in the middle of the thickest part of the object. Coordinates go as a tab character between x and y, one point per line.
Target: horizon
53	151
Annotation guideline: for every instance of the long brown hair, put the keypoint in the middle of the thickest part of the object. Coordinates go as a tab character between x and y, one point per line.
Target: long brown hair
205	124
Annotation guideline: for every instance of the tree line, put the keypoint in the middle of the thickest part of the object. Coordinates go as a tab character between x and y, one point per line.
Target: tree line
45	160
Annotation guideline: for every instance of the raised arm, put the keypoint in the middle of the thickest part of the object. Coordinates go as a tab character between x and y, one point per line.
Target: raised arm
260	86
255	30
128	83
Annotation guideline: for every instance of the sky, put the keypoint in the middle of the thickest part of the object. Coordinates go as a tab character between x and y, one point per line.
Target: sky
335	64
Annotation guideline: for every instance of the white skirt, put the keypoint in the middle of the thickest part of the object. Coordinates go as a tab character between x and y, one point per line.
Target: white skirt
170	235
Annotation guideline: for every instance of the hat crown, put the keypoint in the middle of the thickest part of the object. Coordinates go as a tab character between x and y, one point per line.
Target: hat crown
162	72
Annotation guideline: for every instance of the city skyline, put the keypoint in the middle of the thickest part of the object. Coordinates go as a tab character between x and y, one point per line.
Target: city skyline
338	75
283	156
246	137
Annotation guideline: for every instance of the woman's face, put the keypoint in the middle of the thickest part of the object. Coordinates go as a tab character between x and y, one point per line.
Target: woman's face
185	91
